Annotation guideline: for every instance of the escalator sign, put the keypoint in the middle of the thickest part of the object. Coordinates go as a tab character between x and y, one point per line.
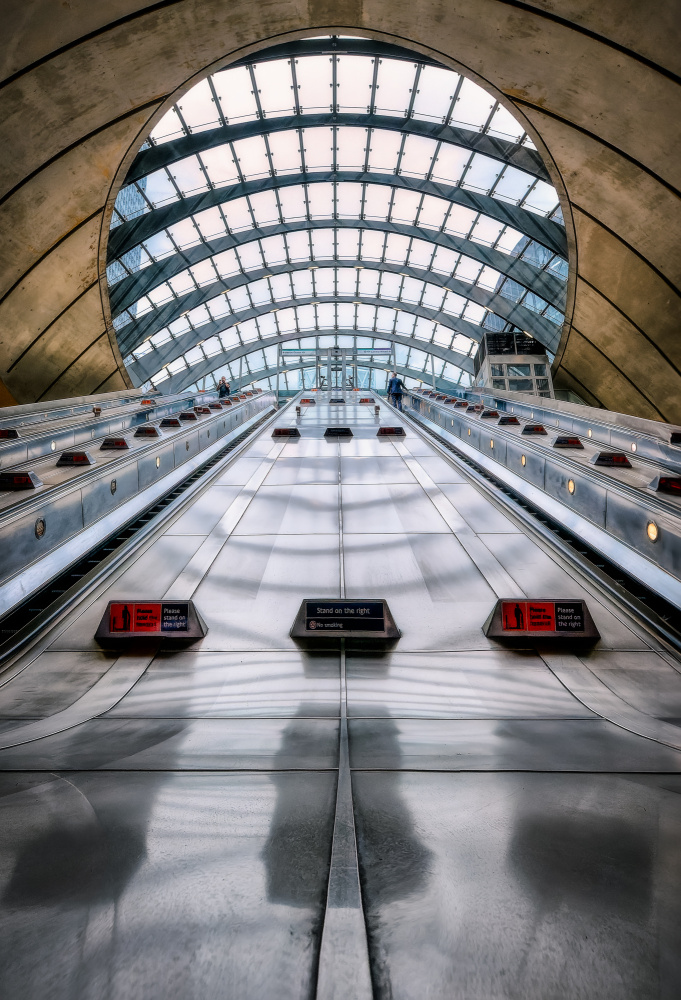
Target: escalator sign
150	616
542	616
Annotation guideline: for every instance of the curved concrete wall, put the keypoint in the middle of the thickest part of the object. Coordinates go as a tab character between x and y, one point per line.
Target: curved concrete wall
599	83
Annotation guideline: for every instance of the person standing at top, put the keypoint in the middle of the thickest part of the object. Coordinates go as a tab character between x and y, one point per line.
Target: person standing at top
395	389
223	387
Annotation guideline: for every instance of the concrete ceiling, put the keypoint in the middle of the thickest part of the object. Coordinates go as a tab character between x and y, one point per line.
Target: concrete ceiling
82	83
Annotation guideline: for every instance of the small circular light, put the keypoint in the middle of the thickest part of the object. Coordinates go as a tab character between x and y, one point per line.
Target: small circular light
53	445
523	460
571	485
208	435
186	445
633	446
532	414
469	431
158	461
589	432
652	531
40	527
491	443
113	486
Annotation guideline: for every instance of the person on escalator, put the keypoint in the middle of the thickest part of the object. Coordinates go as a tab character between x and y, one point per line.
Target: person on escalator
395	389
223	388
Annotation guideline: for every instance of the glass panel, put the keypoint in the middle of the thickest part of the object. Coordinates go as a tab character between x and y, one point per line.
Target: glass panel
285	151
542	199
220	166
292	201
394	86
450	163
460	220
384	150
275	87
433	212
251	156
435	92
160	190
210	223
320	200
472	108
540	369
355	77
351	146
189	176
377	201
520	385
498	383
482	173
235	92
505	126
518	369
265	208
348	200
169	127
348	244
317	146
238	215
497	369
405	206
486	231
542	384
314	83
513	186
417	155
197	108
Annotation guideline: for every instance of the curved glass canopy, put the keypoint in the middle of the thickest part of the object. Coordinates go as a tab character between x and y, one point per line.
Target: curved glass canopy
335	189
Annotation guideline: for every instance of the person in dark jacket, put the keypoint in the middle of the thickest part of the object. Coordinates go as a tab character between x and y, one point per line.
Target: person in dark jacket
395	389
223	387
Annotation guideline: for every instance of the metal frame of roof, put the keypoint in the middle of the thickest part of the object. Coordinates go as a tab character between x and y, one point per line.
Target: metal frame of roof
129	289
126	236
163	357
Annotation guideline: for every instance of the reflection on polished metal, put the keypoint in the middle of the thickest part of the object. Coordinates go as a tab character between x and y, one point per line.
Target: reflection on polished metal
246	818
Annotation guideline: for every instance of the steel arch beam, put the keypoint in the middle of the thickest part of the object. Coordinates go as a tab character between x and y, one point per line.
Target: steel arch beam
155	157
129	234
543	329
142	373
441	383
125	292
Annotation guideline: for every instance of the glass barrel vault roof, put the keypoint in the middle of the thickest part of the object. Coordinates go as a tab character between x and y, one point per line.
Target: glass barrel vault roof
338	192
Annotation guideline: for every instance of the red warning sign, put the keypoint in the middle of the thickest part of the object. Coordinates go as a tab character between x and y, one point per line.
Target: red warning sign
135	617
528	616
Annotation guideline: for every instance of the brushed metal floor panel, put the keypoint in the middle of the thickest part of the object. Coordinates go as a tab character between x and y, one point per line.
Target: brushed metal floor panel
291	510
374	470
388	507
358	447
241	470
477	511
644	680
438	469
183	745
193	684
51	683
163	885
504	745
298	470
489	684
541	576
149	576
540	887
204	514
437	595
253	590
